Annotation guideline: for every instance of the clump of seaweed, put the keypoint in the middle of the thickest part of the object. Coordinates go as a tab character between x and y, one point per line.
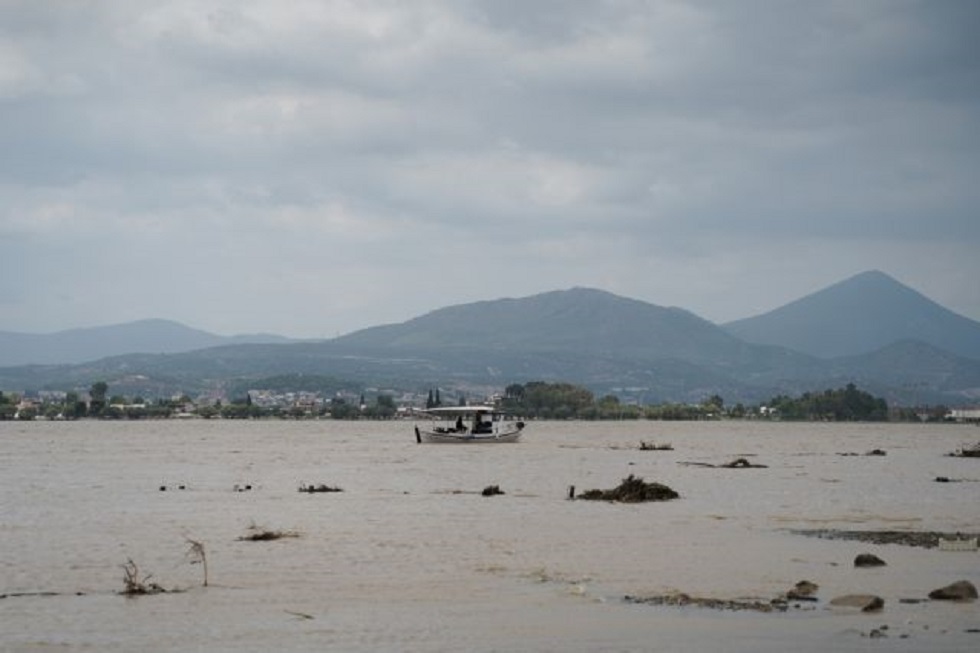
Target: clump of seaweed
135	584
633	489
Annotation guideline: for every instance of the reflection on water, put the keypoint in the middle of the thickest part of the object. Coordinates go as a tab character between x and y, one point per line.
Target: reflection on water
411	556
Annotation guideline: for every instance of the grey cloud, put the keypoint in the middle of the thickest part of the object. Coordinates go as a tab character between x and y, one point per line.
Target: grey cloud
351	137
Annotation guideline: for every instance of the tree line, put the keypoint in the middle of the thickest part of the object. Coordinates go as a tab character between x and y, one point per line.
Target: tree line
532	400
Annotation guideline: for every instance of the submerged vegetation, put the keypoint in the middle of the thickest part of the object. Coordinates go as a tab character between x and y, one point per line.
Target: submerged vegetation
633	489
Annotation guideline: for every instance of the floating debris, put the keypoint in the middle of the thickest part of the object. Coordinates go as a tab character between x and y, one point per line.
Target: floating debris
632	490
135	584
680	599
652	446
972	451
259	534
923	539
738	463
311	489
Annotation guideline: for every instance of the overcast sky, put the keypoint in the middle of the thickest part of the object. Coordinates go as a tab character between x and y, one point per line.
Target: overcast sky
312	168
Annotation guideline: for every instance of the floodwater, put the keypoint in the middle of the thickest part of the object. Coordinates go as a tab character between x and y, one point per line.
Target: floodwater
411	557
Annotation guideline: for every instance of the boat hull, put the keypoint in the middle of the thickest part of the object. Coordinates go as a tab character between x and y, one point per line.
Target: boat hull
439	437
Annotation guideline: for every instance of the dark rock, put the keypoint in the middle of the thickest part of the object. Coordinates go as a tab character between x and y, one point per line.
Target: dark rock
868	560
863	602
803	591
961	590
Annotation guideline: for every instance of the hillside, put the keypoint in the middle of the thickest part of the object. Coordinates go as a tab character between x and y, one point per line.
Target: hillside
89	344
580	320
860	315
638	351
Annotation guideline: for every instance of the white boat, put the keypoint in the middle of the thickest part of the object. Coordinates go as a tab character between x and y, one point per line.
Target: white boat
468	425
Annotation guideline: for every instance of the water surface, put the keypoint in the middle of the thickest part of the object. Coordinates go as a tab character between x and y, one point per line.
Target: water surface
411	557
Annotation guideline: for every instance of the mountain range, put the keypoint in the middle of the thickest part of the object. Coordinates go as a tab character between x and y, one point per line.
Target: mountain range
143	336
869	329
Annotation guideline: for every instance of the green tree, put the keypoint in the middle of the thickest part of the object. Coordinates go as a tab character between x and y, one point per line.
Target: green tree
8	406
97	398
341	409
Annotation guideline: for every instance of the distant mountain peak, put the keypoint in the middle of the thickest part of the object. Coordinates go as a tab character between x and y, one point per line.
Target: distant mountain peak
858	315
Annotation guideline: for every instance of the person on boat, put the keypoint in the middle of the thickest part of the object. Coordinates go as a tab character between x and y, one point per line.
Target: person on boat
479	426
460	427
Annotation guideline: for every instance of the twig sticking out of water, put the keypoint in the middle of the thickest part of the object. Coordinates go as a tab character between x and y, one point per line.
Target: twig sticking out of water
198	556
134	584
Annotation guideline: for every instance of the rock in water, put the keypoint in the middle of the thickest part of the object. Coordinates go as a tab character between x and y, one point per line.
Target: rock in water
803	591
961	590
863	602
868	560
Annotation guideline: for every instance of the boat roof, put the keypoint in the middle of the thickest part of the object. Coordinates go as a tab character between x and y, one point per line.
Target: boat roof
465	410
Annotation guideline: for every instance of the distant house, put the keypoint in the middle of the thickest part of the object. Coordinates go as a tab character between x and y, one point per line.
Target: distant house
964	415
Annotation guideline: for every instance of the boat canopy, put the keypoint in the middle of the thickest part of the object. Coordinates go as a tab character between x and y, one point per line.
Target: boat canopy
461	410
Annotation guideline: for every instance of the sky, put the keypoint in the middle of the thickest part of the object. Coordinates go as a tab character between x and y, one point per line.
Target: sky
311	168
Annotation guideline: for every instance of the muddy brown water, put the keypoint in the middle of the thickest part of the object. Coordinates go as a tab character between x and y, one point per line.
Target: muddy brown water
411	557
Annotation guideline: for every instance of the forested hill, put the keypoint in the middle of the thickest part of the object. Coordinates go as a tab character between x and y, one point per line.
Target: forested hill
581	320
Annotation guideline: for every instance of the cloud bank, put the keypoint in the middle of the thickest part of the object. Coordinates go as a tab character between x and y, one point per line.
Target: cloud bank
311	168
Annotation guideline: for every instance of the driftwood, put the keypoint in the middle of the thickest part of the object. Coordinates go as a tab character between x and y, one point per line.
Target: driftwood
738	463
259	534
136	585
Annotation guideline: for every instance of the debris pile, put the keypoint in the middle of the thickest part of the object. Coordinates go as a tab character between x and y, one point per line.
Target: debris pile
632	490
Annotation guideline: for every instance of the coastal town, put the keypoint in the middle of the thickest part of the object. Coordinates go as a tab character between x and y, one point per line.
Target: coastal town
534	400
